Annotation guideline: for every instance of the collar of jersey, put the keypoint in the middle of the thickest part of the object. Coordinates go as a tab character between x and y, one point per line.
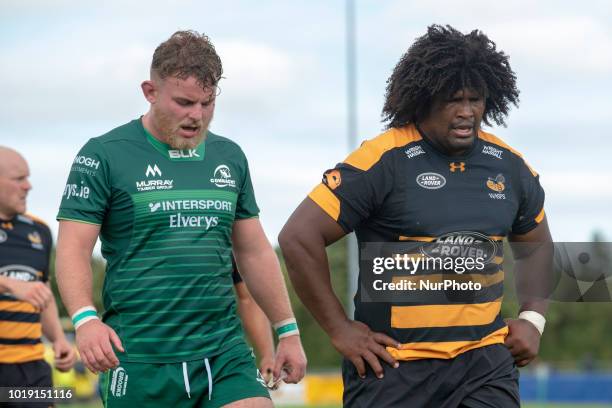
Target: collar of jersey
196	154
443	154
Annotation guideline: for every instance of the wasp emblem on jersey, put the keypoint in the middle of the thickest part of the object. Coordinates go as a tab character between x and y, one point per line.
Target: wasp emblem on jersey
497	184
332	179
36	240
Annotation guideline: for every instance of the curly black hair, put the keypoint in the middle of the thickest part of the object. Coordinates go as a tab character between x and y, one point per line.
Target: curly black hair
442	62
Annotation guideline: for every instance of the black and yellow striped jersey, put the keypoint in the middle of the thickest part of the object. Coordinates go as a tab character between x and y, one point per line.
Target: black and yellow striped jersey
397	188
25	247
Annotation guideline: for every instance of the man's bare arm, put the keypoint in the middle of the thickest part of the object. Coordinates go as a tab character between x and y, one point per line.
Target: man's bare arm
35	293
261	272
52	329
75	244
303	240
257	327
533	253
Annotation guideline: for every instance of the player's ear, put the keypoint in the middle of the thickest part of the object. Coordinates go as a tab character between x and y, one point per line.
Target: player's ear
149	90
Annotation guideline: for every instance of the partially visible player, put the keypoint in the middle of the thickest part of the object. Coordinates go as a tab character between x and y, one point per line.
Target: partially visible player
27	306
256	325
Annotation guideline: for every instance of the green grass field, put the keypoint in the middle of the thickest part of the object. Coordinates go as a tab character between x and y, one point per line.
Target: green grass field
569	405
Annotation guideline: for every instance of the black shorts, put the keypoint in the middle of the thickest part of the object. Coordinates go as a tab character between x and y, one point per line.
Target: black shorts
31	374
486	377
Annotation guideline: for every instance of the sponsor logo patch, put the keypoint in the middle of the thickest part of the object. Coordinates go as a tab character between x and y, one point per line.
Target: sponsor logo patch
465	244
76	191
222	177
35	240
87	161
183	154
153	171
431	181
157	184
332	179
492	151
414	152
20	272
454	166
119	380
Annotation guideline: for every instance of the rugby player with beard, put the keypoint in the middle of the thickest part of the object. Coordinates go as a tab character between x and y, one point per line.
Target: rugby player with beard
170	200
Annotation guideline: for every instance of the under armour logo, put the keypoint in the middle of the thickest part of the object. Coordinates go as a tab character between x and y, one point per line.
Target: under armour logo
457	166
152	171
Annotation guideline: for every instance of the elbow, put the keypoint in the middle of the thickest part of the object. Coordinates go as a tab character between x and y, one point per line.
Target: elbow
288	241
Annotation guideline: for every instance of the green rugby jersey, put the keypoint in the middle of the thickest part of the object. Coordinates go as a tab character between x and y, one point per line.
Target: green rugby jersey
166	220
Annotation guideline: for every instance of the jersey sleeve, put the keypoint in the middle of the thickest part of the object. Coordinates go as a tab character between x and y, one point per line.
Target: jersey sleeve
531	206
246	205
355	188
87	190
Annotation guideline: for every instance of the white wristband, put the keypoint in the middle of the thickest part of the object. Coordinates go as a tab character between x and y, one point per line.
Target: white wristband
84	315
534	318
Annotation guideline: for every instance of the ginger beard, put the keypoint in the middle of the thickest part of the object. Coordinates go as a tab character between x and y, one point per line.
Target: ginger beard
168	127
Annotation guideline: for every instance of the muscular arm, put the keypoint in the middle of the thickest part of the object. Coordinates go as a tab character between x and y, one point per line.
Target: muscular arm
303	240
74	278
75	244
35	293
260	270
51	326
533	254
52	329
257	327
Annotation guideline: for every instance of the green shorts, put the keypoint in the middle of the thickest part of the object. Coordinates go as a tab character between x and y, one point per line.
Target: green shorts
206	383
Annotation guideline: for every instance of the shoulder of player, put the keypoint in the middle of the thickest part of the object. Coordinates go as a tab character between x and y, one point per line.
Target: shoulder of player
500	144
128	132
221	142
373	150
35	221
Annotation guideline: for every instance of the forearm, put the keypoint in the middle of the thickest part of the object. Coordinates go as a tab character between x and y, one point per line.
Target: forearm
308	268
74	276
261	273
51	325
534	276
5	284
257	328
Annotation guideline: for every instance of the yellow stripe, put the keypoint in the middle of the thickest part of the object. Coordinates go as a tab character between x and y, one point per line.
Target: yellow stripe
446	350
21	353
412	317
370	151
418	239
36	219
19	330
484	280
540	216
325	199
17	306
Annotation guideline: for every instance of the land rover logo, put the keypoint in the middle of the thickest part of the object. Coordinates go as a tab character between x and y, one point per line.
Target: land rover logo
431	181
463	244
